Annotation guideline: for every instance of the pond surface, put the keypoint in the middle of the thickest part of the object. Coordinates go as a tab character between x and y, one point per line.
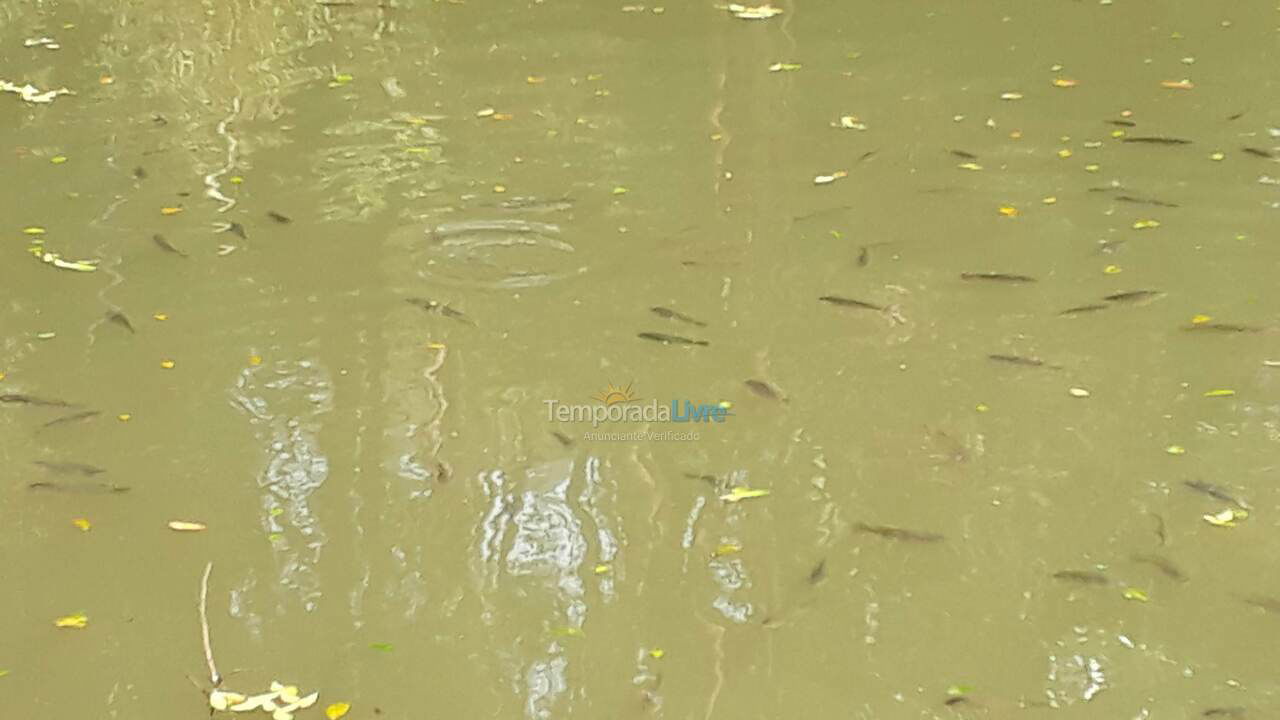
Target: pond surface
981	294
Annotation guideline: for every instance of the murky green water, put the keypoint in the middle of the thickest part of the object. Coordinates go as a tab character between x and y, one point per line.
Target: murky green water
410	232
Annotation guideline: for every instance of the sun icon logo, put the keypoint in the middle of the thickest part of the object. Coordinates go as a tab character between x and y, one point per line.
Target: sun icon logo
614	395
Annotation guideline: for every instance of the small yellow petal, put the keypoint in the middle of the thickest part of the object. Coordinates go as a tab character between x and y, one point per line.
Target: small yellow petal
160	316
1200	319
167	364
657	653
1146	224
170	210
1176	450
255	360
186	526
981	407
79	620
602	569
124	417
337	710
1135	594
1064	153
1008	211
1111	269
1219	393
82	523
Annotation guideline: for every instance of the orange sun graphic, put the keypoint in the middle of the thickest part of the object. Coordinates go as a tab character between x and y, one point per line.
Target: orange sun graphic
613	395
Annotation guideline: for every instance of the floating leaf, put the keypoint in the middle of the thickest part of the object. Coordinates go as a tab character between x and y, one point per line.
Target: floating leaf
186	526
167	364
382	646
1065	82
758	12
33	230
124	417
1064	153
957	690
657	653
619	190
337	710
79	620
824	179
1112	269
1135	594
727	549
1176	450
741	493
160	316
1008	211
170	210
851	122
224	699
82	523
969	166
1011	96
1226	518
569	632
1183	84
1078	392
602	569
784	67
1219	393
58	159
1146	224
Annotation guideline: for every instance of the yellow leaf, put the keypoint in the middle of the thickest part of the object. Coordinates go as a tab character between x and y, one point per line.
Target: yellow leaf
982	407
1064	153
1177	84
1226	518
1176	450
1200	319
82	523
1064	82
79	620
337	710
742	493
727	549
33	230
1146	224
1135	594
1	376
1011	96
235	179
1219	393
502	116
160	316
657	653
969	166
124	417
1216	157
170	210
535	80
222	699
58	159
1050	200
1008	211
602	569
186	526
167	364
1111	269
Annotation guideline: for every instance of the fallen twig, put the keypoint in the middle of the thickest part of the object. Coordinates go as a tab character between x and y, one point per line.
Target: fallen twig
214	677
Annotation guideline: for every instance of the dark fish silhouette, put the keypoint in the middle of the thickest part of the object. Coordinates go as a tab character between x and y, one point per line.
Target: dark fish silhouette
670	314
165	245
70	468
440	308
32	400
74	417
1081	309
91	487
1084	577
670	339
1217	492
997	277
282	219
764	390
850	302
1157	140
120	319
902	534
1133	295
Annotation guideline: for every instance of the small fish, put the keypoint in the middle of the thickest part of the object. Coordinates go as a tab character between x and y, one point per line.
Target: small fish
1081	309
1217	492
1221	327
70	468
1133	296
711	480
996	276
120	319
964	155
1259	152
282	219
1020	360
955	700
1085	577
894	533
952	449
23	399
1157	140
1160	530
164	244
670	314
1265	602
1162	564
565	440
864	256
1145	201
850	302
670	339
1234	711
93	487
139	173
818	573
436	306
74	417
1121	123
764	390
1236	116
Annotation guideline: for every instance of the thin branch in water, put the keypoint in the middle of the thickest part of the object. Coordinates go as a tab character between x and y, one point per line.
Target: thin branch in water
214	677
